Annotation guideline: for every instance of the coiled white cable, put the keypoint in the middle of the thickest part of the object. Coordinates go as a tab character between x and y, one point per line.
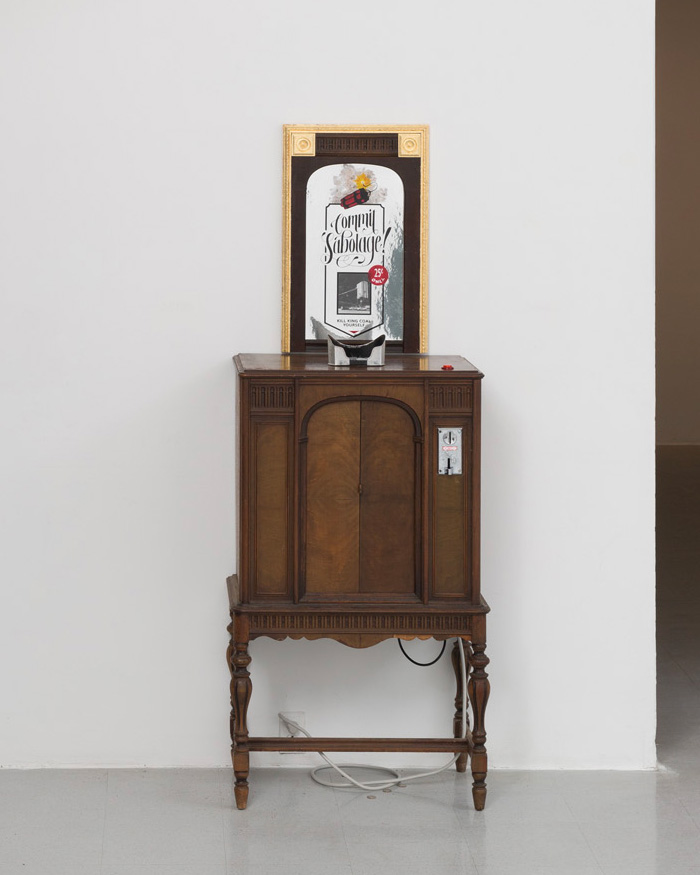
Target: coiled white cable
384	784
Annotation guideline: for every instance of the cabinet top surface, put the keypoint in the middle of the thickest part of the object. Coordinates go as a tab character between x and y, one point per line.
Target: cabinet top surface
301	364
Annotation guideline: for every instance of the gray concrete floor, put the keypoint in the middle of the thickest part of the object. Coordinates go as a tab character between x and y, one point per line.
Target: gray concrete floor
181	822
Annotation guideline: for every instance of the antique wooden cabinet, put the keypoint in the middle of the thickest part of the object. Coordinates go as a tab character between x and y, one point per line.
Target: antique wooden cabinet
359	521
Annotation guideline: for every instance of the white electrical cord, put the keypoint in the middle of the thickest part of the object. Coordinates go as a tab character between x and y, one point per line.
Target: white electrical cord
385	784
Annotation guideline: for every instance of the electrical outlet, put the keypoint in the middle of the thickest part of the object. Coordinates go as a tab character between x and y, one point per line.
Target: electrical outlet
287	731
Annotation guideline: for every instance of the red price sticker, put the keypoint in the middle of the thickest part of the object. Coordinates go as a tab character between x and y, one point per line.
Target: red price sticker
378	275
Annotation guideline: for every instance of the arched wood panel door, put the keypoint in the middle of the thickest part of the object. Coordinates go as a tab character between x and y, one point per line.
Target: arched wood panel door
361	500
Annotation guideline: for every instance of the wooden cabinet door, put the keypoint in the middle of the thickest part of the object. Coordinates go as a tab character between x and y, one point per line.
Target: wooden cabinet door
361	500
330	551
389	505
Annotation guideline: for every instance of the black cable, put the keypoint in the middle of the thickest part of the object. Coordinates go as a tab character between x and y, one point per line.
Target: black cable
444	645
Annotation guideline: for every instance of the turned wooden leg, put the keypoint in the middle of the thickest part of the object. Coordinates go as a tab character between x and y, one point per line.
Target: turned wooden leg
241	689
478	695
458	729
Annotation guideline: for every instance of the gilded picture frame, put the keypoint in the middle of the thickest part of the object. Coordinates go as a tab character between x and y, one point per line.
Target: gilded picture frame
355	235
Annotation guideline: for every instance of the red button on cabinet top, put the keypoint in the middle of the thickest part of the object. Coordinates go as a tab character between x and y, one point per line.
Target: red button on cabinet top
447	368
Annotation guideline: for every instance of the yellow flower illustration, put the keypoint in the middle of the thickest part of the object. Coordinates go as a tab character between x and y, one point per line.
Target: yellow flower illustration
363	181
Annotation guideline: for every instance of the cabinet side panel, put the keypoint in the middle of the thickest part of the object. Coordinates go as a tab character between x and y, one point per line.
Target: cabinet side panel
243	482
449	536
451	523
272	487
389	528
475	499
331	543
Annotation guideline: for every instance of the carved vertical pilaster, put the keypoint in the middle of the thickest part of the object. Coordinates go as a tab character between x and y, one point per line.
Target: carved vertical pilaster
241	690
461	762
479	689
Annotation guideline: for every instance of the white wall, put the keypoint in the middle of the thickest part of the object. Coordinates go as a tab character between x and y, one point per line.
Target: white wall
140	187
678	222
